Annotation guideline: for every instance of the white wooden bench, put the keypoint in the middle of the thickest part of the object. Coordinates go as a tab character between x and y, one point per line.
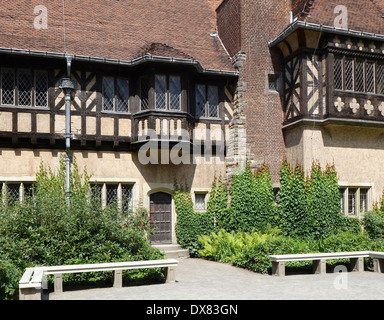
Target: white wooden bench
33	281
319	260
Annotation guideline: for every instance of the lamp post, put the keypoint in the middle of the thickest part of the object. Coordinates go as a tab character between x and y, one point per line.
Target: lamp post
67	85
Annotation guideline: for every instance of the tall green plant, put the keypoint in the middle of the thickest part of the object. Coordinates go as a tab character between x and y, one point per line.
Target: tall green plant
43	230
217	205
292	202
263	208
241	199
325	216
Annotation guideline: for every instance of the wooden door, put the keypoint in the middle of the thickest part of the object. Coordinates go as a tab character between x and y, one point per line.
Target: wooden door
160	211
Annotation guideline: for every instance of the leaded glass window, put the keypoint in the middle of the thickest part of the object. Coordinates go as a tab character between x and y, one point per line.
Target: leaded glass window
126	197
111	195
349	77
115	94
108	93
168	92
213	101
380	78
358	75
338	73
207	101
122	93
370	75
200	100
174	92
161	91
25	88
13	193
360	79
7	87
144	93
41	89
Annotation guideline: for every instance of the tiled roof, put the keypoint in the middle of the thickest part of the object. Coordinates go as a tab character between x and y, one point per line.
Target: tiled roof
117	29
363	15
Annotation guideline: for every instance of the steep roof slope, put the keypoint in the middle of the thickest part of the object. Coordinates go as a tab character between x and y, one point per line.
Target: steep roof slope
363	15
117	29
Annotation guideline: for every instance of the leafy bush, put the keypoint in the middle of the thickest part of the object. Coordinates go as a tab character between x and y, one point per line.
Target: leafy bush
292	202
217	205
251	250
252	200
190	224
43	230
373	222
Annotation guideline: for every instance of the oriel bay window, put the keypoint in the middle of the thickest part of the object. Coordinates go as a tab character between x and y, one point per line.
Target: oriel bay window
115	94
207	101
23	87
358	75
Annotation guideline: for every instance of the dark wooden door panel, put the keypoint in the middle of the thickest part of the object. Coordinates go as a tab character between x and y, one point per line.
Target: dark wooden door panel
160	211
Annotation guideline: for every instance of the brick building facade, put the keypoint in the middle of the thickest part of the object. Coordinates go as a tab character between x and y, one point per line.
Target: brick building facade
313	78
262	80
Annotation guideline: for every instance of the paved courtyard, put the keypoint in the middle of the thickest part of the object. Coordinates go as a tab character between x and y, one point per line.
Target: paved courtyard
198	279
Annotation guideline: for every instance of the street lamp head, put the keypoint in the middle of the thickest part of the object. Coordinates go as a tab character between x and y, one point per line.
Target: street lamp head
68	84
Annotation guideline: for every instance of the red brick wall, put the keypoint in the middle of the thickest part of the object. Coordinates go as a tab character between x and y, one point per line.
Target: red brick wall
261	21
229	25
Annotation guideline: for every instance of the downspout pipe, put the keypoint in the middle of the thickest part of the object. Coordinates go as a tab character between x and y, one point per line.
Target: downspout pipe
68	86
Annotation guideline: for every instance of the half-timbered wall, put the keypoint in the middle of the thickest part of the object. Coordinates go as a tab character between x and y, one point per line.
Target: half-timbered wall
111	108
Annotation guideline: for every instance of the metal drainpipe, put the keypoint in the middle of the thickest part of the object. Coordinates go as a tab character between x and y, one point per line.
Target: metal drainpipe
67	85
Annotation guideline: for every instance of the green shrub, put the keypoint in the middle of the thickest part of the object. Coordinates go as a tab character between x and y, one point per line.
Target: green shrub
252	200
251	250
325	217
43	230
373	222
242	197
292	202
9	276
190	224
217	205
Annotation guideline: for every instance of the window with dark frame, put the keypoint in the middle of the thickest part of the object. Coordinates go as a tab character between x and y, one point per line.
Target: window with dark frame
144	93
23	87
273	82
115	94
358	75
168	92
207	101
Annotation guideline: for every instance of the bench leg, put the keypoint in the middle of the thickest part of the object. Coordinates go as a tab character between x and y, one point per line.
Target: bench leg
118	279
170	274
58	283
30	294
319	266
378	265
278	268
357	264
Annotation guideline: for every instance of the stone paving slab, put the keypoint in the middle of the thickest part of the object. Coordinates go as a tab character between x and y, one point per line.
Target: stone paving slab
198	279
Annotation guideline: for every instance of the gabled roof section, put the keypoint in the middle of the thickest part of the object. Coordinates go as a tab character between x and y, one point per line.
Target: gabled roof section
363	15
117	29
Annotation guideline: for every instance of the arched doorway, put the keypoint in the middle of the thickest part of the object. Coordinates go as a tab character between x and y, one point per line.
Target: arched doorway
161	212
